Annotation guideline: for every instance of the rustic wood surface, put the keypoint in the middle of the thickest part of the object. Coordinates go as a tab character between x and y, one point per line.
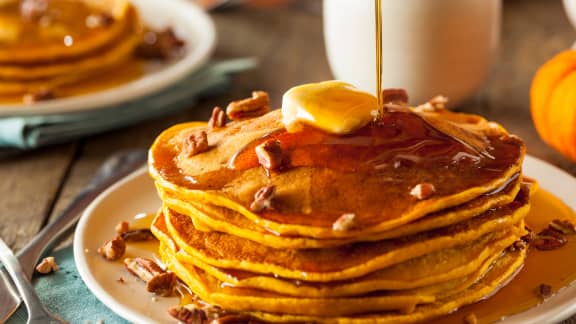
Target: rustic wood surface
288	41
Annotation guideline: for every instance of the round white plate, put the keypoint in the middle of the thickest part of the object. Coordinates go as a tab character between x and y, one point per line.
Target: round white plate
189	22
136	194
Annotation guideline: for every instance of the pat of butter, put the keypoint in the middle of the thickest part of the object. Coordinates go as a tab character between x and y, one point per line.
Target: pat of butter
333	106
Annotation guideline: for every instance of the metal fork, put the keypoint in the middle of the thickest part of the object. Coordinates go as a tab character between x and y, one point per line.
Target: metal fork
37	314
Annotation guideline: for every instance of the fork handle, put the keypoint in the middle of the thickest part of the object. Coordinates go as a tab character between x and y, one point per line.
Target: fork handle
36	311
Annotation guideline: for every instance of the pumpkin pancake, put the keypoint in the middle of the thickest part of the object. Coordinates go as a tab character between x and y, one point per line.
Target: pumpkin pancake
110	54
229	221
372	176
445	265
355	260
232	298
501	273
27	41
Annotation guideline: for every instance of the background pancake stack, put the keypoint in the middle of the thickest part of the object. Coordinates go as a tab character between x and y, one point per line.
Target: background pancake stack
48	44
401	221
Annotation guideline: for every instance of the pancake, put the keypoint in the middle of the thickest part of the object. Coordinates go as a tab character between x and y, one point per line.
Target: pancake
229	221
28	42
442	266
242	299
354	260
228	175
502	272
112	53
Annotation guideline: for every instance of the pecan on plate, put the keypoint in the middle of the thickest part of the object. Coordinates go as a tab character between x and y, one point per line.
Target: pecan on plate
157	280
113	249
549	239
47	265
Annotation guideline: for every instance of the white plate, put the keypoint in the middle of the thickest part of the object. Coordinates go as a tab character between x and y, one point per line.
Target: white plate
189	22
136	194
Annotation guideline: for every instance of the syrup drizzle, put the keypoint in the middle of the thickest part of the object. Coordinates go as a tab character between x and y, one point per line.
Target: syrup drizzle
378	18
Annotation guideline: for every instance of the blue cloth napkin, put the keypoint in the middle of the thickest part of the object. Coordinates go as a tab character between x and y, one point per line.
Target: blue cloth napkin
64	293
27	132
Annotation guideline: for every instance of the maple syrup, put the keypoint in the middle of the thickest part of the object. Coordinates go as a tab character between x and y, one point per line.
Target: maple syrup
378	19
556	268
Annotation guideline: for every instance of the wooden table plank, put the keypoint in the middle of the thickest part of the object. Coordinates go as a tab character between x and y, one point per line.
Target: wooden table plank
30	185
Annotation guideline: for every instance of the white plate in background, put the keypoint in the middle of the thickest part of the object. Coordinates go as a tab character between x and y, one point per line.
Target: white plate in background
191	24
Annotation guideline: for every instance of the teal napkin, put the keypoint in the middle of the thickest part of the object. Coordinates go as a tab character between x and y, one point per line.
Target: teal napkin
27	132
64	293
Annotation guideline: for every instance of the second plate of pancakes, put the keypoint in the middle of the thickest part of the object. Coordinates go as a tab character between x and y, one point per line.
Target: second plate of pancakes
189	22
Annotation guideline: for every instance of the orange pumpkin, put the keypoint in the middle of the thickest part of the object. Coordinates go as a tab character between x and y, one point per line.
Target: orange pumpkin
553	102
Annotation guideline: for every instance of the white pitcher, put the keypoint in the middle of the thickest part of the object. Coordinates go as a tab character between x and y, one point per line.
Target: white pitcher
430	47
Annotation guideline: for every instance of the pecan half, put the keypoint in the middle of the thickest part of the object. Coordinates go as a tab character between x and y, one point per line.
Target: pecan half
188	314
218	118
345	222
113	249
423	191
549	239
270	155
47	265
162	45
263	198
395	96
563	226
256	106
157	280
122	227
38	95
544	291
138	235
195	143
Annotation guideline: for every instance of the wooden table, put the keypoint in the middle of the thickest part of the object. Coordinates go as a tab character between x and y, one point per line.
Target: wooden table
35	186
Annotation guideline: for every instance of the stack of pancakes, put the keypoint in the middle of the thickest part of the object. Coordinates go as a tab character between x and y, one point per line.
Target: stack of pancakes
346	236
60	42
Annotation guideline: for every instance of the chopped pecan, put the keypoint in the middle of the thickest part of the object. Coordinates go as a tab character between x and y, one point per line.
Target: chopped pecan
263	198
38	95
470	319
544	291
345	222
33	10
519	245
218	118
195	143
423	191
188	314
157	280
549	239
122	227
563	226
256	106
270	154
99	20
138	235
395	96
113	249
47	265
162	45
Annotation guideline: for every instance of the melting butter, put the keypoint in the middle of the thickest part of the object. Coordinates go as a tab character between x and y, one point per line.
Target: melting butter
333	106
